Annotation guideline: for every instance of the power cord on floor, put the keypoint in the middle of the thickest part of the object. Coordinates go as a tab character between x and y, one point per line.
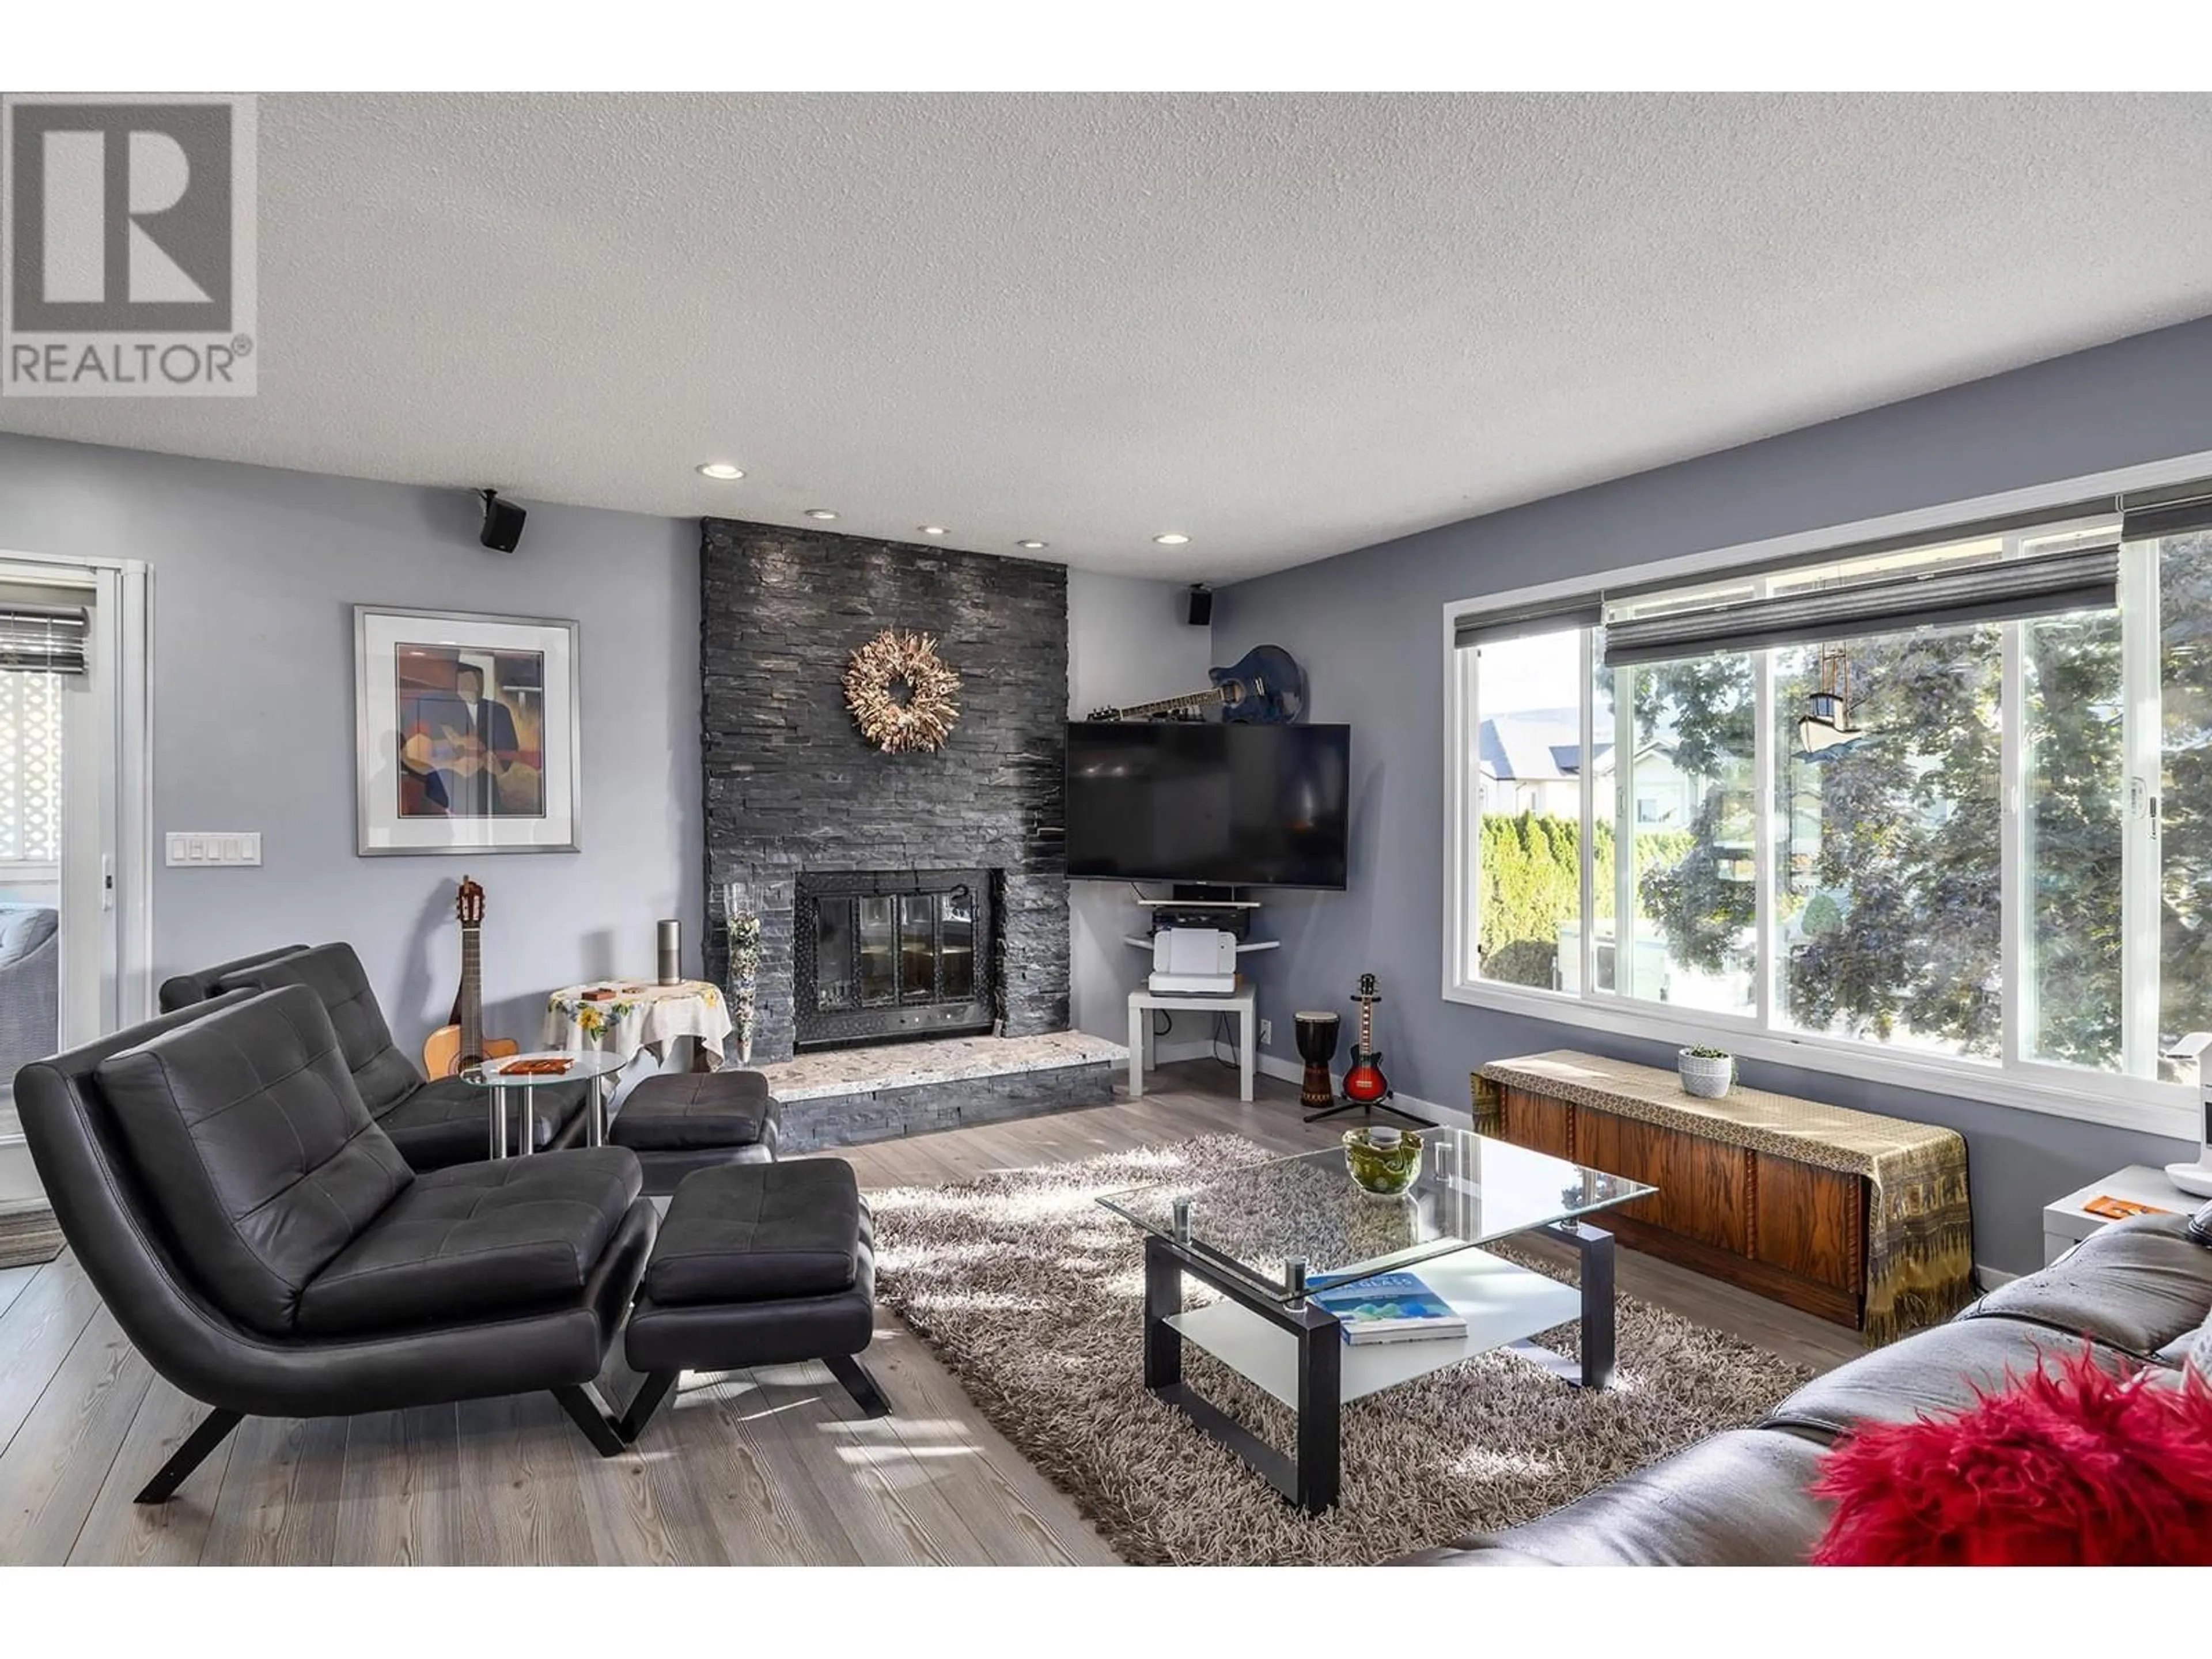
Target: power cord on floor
1222	1034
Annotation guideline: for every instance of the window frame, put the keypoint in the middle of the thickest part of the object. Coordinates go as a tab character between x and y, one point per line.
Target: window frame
117	985
2118	1101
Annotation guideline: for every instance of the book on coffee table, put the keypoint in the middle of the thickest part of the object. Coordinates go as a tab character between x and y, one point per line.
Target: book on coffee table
1391	1308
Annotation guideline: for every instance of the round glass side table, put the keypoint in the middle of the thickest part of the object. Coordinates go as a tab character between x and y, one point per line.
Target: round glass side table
508	1087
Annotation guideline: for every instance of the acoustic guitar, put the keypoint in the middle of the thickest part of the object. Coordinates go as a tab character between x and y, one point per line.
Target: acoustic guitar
1364	1083
462	753
1264	687
461	1041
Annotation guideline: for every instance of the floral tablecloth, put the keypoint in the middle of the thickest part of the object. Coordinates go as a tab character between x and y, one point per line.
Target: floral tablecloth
622	1016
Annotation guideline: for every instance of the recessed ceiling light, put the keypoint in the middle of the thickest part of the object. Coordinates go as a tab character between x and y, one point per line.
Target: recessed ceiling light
1032	546
819	513
721	469
931	529
1171	539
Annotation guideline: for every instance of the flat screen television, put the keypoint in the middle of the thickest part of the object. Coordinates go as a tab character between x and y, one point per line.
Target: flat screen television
1228	806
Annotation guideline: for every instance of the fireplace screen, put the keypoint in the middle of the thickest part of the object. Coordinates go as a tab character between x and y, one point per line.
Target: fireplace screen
883	955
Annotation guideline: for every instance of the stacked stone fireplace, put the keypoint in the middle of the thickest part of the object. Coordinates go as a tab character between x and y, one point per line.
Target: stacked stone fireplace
898	896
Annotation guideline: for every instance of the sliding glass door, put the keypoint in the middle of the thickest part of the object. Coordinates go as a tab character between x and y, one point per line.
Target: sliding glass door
59	746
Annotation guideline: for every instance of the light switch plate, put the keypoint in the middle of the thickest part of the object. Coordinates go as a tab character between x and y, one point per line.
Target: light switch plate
191	848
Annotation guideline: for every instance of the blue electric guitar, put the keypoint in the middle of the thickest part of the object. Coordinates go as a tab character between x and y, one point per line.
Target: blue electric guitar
1264	687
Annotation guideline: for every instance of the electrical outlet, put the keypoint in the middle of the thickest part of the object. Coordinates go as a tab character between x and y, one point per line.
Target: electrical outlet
1267	1034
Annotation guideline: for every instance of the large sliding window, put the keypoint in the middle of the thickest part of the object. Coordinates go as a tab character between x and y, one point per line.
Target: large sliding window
1938	813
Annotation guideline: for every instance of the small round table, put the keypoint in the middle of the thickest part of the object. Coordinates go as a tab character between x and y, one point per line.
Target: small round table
622	1016
504	1084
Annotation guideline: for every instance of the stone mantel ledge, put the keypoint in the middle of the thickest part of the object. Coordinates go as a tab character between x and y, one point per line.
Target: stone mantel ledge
945	1060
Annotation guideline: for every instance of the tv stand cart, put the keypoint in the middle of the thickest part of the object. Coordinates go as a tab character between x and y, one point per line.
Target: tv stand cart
1243	1002
1217	909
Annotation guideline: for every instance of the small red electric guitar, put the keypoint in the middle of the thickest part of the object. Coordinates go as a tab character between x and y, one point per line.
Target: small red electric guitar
1364	1083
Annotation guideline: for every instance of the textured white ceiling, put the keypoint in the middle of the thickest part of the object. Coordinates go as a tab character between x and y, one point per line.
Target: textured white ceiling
1285	326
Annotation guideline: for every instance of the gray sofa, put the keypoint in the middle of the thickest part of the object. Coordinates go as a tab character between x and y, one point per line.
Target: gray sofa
30	986
2139	1293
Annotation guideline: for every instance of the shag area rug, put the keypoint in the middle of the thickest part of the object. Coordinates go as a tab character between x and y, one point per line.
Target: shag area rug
1033	1296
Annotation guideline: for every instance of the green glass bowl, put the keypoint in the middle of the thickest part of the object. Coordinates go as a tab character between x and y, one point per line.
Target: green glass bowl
1384	1171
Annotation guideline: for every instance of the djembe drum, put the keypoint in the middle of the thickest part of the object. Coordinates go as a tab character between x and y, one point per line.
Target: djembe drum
1316	1035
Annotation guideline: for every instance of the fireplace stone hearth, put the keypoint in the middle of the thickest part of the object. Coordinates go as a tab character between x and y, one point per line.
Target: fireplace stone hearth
848	1096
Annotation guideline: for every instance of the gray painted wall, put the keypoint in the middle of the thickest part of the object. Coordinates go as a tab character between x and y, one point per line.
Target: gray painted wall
1127	642
255	573
1366	625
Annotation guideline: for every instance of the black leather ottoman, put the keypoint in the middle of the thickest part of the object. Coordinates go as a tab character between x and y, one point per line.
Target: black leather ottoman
758	1264
679	1122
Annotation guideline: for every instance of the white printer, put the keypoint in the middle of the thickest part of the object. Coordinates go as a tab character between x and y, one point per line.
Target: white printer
1193	961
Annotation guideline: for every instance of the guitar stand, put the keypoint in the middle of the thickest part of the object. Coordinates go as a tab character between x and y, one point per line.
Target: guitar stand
1366	1109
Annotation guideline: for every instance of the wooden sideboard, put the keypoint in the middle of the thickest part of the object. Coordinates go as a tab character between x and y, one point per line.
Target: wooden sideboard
1785	1229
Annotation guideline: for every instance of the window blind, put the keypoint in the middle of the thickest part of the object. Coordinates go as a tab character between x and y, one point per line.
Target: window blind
2079	579
2176	511
2098	507
1489	627
43	638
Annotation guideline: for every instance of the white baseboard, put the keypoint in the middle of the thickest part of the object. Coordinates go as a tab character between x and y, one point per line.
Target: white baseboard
1169	1054
1291	1071
1991	1278
1428	1111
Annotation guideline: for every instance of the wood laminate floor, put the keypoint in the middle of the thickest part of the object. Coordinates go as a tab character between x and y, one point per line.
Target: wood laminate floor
765	1466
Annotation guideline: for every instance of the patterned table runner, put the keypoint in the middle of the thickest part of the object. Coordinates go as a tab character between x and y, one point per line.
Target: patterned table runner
1920	1227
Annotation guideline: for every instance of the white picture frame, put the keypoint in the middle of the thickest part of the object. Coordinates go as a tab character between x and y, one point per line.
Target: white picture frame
468	733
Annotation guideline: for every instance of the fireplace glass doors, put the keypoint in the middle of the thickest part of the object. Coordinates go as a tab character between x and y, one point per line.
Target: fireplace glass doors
881	954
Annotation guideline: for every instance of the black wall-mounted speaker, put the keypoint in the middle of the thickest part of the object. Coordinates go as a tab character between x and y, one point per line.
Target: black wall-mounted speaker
502	525
1198	605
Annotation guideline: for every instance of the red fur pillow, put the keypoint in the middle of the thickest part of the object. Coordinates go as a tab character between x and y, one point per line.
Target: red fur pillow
2071	1467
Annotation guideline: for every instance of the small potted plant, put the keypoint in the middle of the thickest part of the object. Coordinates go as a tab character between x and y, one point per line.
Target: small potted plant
1708	1072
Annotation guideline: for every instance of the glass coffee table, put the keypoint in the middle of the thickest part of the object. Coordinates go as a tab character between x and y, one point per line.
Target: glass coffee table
508	1088
1267	1236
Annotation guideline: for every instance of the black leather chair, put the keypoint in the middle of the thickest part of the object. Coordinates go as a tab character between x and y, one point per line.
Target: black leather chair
183	990
436	1124
261	1241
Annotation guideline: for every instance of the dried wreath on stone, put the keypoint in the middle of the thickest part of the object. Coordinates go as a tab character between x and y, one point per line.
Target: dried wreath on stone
900	691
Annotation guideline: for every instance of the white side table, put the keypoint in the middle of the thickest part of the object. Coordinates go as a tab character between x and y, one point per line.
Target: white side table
2066	1223
1243	1002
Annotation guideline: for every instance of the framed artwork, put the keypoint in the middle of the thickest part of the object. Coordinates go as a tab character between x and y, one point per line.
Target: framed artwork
468	735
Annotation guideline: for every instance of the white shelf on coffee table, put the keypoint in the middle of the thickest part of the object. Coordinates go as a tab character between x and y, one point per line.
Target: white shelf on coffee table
1502	1304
